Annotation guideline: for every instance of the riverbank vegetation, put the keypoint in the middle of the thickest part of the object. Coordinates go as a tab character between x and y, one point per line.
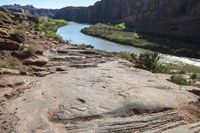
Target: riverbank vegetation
180	80
151	61
50	28
118	33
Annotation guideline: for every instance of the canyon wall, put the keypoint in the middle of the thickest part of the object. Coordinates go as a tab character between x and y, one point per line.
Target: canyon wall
30	10
164	17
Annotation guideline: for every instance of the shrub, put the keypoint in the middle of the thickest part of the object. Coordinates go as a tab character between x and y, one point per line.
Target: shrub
135	35
194	76
128	56
20	27
58	38
19	36
121	26
9	66
4	17
177	79
31	50
148	61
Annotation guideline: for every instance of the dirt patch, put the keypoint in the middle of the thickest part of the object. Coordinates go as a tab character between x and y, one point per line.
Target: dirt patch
17	91
10	61
191	112
8	122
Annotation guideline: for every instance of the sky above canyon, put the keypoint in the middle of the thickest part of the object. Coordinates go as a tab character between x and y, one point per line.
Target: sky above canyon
49	3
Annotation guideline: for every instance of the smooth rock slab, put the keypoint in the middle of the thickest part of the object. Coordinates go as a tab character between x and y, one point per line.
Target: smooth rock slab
108	98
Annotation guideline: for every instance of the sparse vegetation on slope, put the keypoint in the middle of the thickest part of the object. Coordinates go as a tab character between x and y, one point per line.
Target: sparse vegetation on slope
19	36
9	66
4	18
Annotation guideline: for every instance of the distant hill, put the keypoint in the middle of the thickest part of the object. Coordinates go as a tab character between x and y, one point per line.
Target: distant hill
31	10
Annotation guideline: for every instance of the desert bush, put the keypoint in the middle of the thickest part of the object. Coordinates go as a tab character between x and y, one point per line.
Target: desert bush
19	36
31	50
20	27
4	17
9	66
128	56
177	79
148	61
58	38
194	76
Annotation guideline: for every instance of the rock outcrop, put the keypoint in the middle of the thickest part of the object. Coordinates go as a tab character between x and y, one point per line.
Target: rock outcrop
7	44
38	61
167	17
29	9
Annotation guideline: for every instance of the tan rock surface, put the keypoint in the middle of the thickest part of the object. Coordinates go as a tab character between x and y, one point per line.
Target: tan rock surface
108	98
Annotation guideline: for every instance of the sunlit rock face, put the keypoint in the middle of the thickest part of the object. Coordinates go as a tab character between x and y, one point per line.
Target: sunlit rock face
171	17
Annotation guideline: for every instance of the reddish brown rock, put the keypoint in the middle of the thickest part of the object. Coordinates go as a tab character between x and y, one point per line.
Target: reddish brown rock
7	44
37	60
3	33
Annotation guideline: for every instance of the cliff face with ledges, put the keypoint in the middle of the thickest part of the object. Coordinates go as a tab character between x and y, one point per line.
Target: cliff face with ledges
29	9
171	17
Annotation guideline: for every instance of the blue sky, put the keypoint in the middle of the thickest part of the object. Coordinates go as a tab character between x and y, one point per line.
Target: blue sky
49	3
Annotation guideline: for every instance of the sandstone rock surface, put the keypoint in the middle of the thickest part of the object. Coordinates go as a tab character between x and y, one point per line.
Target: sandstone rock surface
37	60
108	98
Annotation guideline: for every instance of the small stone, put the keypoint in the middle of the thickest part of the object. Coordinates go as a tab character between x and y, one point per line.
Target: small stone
60	69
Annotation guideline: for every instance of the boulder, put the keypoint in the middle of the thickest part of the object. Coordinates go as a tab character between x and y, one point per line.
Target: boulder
7	44
3	33
20	54
39	51
37	60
